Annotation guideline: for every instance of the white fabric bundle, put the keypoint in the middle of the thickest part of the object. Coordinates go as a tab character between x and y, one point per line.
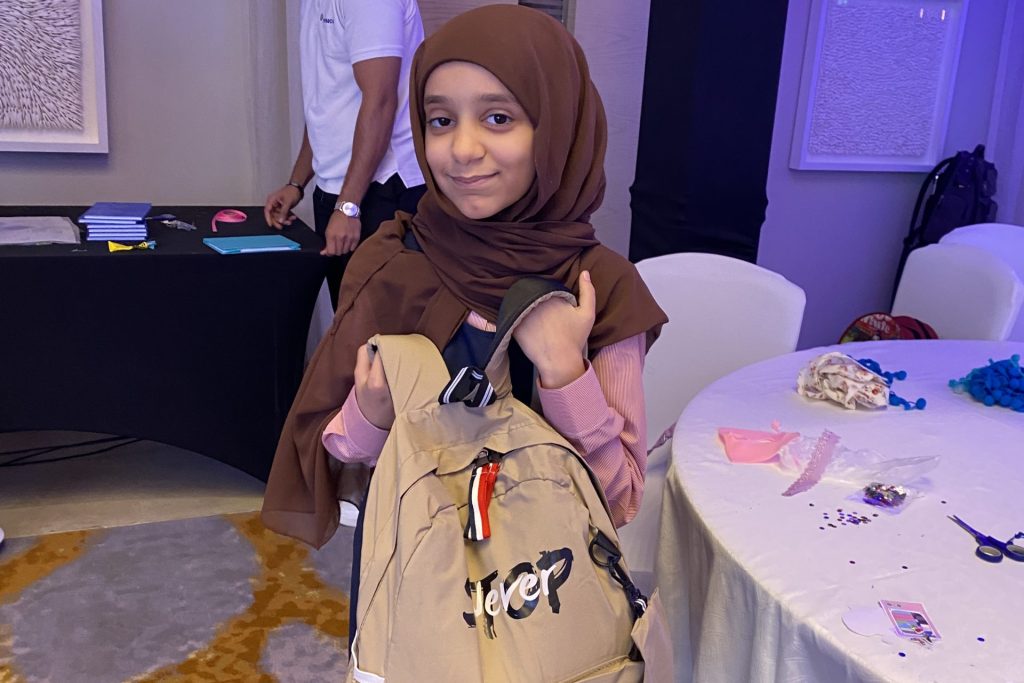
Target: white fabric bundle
838	377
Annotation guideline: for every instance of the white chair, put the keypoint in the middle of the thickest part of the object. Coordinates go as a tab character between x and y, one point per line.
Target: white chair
963	292
724	313
999	239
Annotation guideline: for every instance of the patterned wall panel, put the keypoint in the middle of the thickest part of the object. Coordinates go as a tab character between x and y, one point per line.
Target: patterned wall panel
877	83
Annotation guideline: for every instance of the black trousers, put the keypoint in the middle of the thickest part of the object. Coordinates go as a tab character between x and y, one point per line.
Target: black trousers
378	205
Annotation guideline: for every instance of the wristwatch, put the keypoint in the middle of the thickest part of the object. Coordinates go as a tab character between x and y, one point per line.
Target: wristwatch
298	186
350	209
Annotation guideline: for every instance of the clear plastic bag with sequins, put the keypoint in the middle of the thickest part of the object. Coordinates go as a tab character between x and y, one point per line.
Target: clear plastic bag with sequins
823	457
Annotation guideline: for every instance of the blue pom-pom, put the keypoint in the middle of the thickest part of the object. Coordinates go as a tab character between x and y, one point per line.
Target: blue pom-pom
988	400
920	403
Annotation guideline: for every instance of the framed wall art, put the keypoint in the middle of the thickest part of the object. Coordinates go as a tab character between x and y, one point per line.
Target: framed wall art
52	86
876	84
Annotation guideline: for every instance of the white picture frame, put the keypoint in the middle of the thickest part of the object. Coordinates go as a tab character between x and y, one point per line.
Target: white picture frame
78	122
877	84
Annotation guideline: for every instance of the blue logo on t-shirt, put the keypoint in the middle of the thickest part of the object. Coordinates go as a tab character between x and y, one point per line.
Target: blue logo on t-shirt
326	20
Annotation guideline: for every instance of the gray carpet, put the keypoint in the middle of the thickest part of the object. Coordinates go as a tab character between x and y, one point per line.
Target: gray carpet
216	598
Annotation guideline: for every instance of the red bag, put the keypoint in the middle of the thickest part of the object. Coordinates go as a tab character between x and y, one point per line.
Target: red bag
876	326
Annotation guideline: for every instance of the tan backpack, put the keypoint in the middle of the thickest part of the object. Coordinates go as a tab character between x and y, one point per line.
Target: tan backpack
488	552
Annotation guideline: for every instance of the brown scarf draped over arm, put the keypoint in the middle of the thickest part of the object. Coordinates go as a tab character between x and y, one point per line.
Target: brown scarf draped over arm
465	264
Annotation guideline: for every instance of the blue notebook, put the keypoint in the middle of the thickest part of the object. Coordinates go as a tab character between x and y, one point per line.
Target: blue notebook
249	244
115	211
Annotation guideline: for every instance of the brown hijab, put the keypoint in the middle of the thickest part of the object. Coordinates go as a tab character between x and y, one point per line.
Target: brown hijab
465	264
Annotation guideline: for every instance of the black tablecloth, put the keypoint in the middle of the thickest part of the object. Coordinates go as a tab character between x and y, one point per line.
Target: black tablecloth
181	344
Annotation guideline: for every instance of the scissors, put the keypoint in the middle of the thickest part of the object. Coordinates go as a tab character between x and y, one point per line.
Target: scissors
992	549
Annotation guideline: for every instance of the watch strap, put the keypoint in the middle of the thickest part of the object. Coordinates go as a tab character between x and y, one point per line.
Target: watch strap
298	186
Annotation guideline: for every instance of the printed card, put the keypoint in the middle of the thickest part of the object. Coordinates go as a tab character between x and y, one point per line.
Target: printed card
910	619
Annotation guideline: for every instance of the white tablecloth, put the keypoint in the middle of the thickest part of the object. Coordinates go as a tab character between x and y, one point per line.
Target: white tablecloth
756	591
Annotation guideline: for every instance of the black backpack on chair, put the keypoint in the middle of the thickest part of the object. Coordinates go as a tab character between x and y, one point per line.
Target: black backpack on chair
958	191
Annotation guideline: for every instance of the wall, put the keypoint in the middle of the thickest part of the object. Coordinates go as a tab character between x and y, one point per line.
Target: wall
436	12
188	120
838	234
613	35
1006	132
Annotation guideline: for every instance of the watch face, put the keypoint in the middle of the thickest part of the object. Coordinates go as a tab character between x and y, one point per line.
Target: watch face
349	209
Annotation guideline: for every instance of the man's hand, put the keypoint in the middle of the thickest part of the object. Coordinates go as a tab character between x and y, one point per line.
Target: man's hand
342	235
278	209
372	392
554	336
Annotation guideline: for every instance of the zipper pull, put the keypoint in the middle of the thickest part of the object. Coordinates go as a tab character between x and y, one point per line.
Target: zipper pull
481	490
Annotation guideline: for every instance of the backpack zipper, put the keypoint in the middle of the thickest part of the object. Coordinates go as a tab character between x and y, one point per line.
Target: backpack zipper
481	489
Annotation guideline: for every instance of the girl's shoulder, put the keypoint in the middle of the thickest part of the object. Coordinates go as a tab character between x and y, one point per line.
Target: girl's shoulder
609	266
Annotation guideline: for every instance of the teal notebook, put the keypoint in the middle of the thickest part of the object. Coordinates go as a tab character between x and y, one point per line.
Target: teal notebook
250	244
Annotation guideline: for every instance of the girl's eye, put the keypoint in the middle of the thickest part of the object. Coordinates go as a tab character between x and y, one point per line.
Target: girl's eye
439	122
499	119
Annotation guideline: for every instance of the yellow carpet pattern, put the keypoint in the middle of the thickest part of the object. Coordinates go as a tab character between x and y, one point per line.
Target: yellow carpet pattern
217	599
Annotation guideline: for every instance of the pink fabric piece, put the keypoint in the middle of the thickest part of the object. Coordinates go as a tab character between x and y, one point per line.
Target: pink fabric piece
601	414
748	446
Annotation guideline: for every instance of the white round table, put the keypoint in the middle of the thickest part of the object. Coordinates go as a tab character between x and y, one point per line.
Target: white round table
756	589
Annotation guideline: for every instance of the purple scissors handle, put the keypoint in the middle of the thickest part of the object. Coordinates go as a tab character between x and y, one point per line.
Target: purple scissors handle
991	549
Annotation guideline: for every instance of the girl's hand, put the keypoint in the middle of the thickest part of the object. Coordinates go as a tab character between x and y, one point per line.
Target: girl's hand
554	336
372	392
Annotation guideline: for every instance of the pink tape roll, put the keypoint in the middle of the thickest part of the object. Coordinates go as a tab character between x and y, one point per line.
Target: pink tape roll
227	216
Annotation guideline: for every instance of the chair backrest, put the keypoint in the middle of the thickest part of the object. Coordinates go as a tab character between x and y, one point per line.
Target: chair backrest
999	239
964	292
724	313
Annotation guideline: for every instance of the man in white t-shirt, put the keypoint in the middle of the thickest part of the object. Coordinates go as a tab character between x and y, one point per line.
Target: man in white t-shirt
355	57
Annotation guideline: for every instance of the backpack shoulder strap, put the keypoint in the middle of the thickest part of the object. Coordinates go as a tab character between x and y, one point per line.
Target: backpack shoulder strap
414	368
521	298
417	374
916	225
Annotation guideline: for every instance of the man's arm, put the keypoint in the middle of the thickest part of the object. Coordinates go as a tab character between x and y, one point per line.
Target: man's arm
302	171
278	205
377	78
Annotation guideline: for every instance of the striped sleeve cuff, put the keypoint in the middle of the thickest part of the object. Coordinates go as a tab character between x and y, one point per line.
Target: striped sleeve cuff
578	408
350	437
366	438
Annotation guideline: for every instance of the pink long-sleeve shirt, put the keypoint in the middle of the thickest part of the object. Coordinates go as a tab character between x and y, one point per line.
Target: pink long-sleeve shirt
601	414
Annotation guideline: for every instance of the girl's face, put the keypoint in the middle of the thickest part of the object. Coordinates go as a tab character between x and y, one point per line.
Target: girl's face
479	140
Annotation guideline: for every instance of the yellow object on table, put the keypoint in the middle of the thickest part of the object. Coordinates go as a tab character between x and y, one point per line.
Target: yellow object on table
115	246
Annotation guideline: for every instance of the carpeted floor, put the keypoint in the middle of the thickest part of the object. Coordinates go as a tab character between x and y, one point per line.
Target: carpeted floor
213	599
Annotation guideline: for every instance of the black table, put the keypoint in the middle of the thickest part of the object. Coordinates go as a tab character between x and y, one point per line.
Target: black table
180	345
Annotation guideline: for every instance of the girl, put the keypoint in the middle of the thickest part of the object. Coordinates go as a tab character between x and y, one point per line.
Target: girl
510	133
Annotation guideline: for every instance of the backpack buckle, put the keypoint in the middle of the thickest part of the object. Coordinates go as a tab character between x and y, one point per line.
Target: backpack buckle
470	386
